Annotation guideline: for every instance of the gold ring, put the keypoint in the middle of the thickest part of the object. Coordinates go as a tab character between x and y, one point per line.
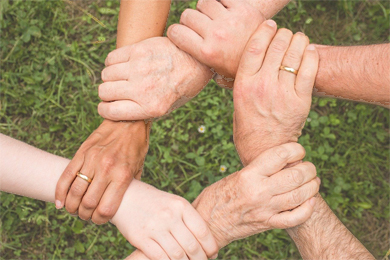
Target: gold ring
288	69
85	178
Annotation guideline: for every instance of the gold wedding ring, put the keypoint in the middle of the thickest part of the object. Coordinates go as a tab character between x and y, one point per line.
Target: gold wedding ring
85	178
288	69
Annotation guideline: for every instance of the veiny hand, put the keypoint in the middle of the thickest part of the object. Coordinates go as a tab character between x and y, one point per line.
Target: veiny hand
111	156
163	225
260	197
149	79
271	105
216	33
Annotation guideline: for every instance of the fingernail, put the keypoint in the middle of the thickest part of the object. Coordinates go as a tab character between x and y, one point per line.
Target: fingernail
214	256
312	201
311	47
58	204
271	23
318	180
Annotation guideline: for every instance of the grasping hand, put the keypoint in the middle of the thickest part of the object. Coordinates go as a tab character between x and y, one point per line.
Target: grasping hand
260	197
149	79
271	105
216	34
111	156
163	225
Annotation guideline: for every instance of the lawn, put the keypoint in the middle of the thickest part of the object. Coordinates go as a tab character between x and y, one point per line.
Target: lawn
52	53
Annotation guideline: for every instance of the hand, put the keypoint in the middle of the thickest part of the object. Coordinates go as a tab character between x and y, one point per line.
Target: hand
271	105
163	225
216	35
260	197
111	156
149	79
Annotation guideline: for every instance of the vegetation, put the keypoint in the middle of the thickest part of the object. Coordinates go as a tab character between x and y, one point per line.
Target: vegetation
52	53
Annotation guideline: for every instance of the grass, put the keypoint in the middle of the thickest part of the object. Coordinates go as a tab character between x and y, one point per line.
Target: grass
52	53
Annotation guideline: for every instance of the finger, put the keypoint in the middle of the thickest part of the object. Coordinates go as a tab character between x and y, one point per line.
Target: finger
196	21
291	178
276	51
293	59
66	179
92	197
254	53
110	201
186	39
307	73
116	90
78	189
188	242
116	72
273	160
229	3
152	250
295	217
211	8
199	229
171	247
294	198
120	55
122	110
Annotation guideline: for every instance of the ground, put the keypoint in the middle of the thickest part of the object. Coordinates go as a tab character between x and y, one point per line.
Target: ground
52	53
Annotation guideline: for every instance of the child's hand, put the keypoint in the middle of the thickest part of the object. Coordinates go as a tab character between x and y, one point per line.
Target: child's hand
163	225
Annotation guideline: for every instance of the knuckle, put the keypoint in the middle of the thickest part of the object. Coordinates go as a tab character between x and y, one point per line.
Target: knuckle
77	190
203	232
282	152
254	47
157	255
193	247
295	197
107	162
207	52
297	176
310	168
89	203
220	35
105	212
293	55
279	46
178	254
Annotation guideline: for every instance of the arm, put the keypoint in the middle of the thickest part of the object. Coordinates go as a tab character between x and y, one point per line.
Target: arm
114	153
359	73
259	102
324	236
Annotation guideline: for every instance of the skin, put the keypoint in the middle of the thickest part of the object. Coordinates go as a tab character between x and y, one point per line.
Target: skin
323	236
186	78
146	206
114	153
214	35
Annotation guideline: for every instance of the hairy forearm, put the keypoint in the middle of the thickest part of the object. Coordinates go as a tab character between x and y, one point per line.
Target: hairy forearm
359	73
324	236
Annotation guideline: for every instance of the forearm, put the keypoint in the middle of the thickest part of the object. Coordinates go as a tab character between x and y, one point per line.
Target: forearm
28	171
359	73
324	236
140	20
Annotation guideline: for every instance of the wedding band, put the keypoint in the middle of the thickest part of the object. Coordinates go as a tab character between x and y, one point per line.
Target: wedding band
85	178
288	69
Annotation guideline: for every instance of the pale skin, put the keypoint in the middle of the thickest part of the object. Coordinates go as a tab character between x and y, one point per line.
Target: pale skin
114	153
260	196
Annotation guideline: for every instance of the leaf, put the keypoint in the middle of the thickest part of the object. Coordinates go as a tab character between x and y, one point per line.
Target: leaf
105	10
200	161
79	247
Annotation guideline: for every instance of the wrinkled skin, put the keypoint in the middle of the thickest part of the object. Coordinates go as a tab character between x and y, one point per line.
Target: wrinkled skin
271	105
149	79
259	197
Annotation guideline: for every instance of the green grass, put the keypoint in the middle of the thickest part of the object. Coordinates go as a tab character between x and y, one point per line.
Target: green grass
51	57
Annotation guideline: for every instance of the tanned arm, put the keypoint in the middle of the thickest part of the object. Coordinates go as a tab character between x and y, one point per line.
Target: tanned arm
324	236
359	73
